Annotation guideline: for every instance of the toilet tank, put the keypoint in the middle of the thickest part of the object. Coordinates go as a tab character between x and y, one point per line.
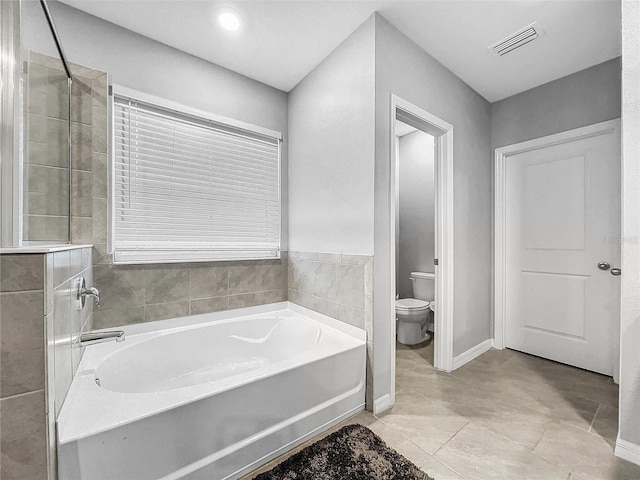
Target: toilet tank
424	285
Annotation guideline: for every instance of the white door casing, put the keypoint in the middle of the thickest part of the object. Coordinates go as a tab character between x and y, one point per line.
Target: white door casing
557	217
443	133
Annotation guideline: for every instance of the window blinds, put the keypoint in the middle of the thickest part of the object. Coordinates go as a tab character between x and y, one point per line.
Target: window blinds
191	189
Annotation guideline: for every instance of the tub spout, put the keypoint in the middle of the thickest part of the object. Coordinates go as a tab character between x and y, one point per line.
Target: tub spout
91	338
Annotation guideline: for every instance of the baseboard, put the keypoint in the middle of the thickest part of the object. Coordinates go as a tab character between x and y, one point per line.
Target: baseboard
472	353
382	404
628	451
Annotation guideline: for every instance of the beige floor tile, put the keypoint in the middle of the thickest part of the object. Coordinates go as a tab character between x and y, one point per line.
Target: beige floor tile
555	404
477	453
515	422
606	423
429	429
427	463
536	370
597	388
584	453
437	386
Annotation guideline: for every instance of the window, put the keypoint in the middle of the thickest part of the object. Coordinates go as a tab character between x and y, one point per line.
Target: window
186	188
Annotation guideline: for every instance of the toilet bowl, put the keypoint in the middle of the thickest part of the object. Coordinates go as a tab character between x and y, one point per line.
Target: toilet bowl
412	314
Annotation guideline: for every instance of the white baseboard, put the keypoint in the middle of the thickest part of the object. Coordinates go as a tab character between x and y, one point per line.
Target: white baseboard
628	451
382	404
472	353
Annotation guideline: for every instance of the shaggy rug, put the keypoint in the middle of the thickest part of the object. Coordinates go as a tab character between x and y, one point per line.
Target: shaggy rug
354	453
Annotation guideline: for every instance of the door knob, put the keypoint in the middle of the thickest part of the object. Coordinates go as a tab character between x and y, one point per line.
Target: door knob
603	266
616	272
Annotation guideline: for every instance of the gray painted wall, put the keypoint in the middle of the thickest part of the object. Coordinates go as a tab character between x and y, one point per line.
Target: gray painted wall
584	98
416	245
140	63
331	149
404	69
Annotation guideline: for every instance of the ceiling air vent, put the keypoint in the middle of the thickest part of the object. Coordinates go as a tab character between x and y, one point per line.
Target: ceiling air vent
517	39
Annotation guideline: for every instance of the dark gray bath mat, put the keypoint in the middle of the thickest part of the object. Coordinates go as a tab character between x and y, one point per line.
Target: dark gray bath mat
354	453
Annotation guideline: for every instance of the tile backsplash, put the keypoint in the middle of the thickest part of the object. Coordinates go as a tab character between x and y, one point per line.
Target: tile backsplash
143	293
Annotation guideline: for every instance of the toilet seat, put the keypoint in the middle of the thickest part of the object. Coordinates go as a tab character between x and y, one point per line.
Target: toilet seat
411	306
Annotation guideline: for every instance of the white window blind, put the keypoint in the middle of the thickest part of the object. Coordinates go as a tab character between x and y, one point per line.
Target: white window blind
191	189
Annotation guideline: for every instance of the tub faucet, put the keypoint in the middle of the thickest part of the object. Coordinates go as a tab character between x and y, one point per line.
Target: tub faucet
91	338
91	292
84	291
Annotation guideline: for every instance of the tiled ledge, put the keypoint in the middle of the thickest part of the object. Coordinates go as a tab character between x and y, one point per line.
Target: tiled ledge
40	249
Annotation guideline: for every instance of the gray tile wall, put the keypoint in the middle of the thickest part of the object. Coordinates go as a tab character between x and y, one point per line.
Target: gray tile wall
23	407
46	202
39	352
65	320
338	285
46	147
144	293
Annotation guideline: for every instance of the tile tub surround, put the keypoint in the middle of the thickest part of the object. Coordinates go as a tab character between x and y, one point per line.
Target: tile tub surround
23	405
338	285
144	293
39	328
335	284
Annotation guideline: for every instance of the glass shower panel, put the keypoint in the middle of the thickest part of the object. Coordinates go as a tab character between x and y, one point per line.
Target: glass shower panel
45	140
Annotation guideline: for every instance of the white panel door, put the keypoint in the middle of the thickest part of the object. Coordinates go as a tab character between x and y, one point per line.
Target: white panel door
562	219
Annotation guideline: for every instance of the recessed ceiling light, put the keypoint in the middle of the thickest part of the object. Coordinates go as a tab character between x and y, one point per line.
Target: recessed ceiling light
229	21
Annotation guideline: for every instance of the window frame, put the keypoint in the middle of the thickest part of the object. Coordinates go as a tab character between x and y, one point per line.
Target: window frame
197	115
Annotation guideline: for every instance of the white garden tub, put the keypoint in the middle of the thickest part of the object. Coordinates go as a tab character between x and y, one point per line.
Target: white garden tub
209	396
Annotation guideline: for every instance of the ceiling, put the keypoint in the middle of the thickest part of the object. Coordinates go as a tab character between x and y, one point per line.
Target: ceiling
282	41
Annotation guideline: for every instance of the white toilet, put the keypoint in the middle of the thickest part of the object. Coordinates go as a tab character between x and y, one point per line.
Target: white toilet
413	313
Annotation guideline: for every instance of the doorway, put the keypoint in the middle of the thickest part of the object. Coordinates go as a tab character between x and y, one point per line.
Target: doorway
557	256
442	133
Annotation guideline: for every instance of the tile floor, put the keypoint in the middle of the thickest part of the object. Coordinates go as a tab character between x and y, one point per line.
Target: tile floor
505	415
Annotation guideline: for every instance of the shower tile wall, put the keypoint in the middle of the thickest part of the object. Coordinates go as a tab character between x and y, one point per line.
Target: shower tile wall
46	206
46	157
40	354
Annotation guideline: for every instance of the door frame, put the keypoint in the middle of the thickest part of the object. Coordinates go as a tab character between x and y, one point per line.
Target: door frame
443	176
502	155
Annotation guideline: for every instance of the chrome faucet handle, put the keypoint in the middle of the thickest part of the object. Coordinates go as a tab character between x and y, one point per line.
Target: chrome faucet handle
83	292
91	292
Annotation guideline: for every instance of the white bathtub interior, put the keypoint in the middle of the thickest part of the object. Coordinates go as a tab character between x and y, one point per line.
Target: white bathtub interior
209	396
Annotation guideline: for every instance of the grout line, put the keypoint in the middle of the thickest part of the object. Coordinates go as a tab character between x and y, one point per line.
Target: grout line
595	414
22	394
448	466
21	291
451	438
540	439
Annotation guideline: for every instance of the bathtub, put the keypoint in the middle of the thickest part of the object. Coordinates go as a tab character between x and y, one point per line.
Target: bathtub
209	396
